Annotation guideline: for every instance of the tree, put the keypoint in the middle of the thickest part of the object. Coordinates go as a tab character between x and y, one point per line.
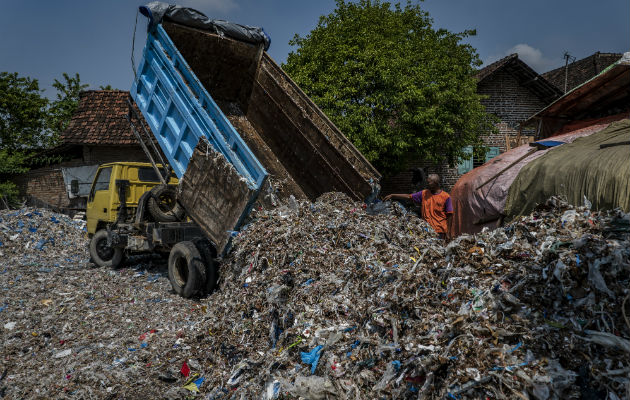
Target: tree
22	113
30	122
61	109
391	82
22	127
107	87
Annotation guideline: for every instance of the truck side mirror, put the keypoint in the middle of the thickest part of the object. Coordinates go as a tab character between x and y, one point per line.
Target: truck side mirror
74	187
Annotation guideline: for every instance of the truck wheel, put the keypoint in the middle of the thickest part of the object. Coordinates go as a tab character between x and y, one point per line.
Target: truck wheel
186	269
102	254
208	253
163	204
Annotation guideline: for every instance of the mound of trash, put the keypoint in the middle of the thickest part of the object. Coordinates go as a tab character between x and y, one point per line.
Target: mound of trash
325	300
330	299
32	236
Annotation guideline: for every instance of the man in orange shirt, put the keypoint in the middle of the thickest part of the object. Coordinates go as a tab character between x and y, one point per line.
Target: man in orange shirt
437	208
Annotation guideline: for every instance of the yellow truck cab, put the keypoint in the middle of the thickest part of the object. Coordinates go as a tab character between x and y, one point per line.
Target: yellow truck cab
104	199
129	210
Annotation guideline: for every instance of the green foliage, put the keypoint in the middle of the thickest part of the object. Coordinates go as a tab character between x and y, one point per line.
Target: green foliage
11	162
8	194
22	113
61	109
391	82
30	122
107	87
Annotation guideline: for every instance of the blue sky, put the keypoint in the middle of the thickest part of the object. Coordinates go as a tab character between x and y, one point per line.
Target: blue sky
43	39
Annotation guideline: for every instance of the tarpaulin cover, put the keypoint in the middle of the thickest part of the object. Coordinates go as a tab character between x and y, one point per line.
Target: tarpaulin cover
578	170
156	11
84	175
476	209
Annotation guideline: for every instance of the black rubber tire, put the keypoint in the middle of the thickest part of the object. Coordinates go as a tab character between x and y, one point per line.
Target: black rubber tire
186	270
208	252
163	204
103	255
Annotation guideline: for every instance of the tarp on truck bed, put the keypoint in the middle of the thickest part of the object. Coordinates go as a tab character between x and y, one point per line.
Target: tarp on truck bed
596	167
156	11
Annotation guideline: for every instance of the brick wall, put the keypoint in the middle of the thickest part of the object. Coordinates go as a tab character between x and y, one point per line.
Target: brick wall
45	186
509	101
401	182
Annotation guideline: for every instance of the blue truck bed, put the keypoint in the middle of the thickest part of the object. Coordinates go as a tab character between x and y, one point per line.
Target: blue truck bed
227	118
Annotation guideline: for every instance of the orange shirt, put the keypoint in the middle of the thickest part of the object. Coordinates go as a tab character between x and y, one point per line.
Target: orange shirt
435	207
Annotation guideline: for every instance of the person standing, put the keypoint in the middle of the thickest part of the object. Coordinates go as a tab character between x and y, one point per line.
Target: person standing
436	205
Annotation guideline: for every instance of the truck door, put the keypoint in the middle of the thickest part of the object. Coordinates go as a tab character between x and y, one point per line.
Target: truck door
98	206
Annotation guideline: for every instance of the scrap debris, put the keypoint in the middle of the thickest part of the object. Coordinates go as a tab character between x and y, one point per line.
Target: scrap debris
331	299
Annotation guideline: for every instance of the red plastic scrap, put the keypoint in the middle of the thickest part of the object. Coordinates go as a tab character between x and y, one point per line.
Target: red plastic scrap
185	369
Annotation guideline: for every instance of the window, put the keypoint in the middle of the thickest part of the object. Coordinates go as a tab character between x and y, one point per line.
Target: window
147	174
101	182
466	164
475	159
492	152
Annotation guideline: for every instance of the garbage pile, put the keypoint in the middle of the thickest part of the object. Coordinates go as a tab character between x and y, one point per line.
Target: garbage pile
333	299
31	236
325	300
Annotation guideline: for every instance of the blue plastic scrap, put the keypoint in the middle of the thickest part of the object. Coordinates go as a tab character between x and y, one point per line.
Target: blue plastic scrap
515	347
312	357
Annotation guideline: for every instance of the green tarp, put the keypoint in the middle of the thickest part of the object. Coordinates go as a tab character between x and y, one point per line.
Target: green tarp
576	170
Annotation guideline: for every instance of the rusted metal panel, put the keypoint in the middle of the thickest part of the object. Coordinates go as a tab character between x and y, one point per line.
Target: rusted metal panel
214	194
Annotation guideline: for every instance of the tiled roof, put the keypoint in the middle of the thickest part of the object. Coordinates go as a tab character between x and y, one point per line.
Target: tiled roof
491	68
100	120
582	70
525	76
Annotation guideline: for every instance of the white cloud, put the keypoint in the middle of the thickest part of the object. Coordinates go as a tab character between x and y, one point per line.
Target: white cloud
532	57
210	7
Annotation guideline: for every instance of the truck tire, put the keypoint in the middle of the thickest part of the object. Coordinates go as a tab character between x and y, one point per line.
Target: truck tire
186	270
102	254
163	204
208	253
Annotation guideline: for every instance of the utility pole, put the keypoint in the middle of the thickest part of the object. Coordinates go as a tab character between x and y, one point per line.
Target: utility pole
567	56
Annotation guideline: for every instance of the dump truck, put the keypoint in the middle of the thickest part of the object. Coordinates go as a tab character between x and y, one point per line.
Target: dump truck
224	120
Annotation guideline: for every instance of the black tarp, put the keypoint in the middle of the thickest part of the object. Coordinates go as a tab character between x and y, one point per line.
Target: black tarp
157	10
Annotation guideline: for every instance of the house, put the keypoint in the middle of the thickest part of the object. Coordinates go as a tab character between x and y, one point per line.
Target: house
514	92
98	133
588	129
568	77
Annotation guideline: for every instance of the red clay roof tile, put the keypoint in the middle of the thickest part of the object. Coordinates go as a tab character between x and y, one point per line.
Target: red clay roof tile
100	119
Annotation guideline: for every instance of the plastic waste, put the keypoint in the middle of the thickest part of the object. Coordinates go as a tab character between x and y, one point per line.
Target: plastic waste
312	357
514	312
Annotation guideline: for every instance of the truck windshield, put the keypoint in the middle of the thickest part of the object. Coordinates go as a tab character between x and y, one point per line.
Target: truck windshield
102	181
